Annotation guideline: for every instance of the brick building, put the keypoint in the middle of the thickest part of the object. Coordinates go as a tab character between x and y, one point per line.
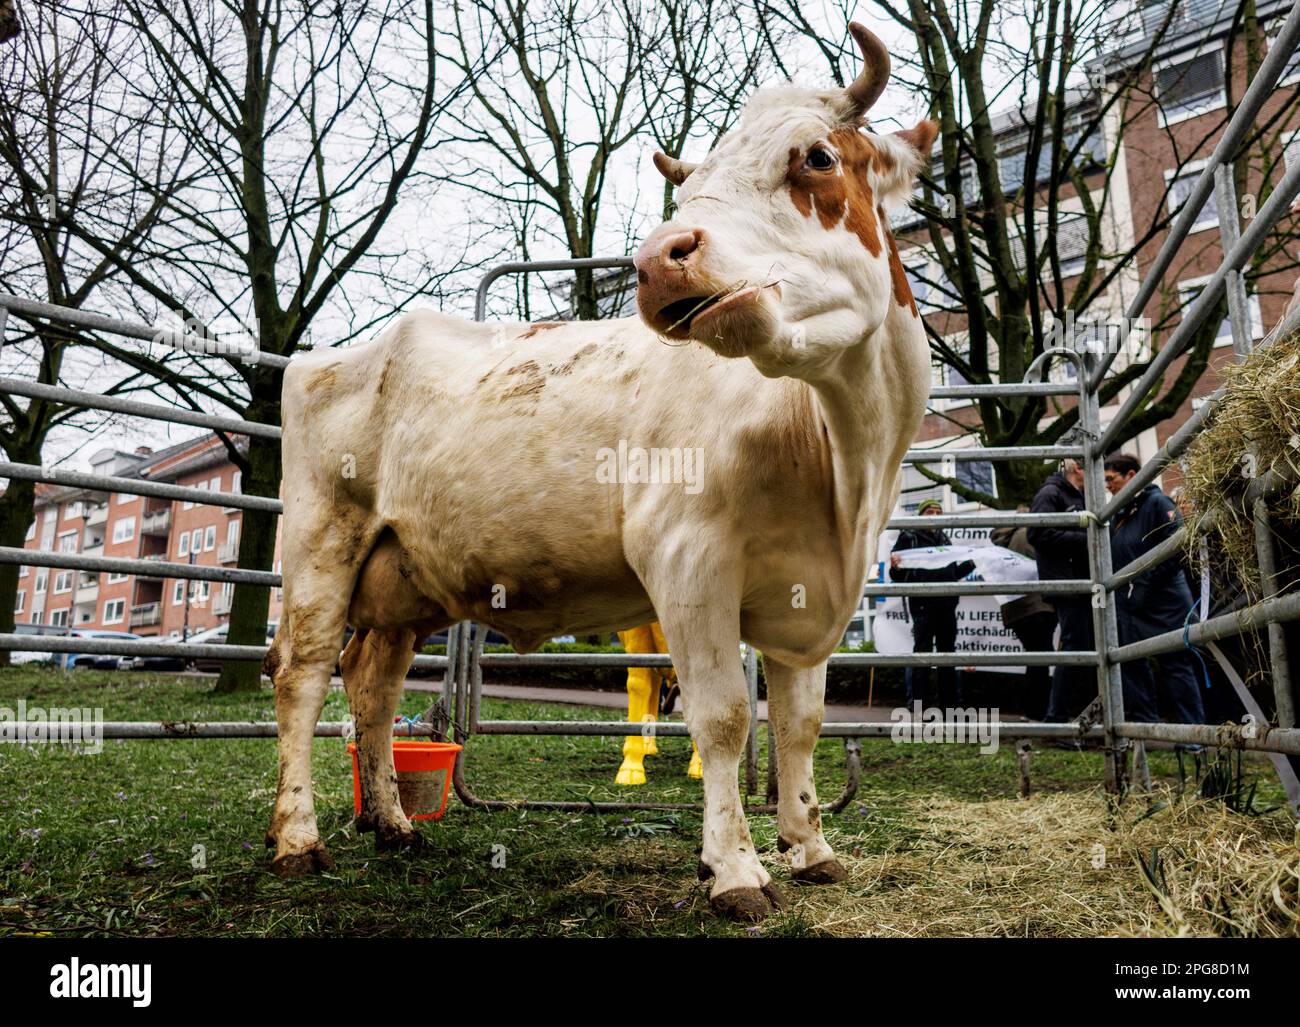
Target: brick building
1162	148
91	523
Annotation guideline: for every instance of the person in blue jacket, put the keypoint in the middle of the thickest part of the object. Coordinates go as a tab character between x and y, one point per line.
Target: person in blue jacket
1063	553
1153	603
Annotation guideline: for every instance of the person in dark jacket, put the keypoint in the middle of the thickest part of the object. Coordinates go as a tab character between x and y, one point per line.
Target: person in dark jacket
1063	553
934	618
1153	603
1032	620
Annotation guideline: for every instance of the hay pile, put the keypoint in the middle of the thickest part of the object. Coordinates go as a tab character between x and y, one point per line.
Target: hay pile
1062	865
1256	429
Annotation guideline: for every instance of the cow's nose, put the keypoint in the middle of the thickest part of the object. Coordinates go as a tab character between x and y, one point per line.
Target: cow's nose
671	251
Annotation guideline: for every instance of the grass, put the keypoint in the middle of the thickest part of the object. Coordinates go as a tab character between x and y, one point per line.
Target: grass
936	841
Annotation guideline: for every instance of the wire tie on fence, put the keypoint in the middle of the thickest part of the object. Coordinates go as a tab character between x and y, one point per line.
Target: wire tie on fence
1187	641
408	723
1085	516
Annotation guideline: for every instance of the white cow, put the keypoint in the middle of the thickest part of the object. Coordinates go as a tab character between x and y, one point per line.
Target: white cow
453	471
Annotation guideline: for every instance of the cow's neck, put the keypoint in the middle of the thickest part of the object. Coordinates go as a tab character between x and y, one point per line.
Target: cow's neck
853	424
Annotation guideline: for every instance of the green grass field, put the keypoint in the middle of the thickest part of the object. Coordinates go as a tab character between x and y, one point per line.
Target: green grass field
936	841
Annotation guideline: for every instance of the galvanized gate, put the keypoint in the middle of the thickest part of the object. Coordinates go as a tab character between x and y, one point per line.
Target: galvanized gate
465	659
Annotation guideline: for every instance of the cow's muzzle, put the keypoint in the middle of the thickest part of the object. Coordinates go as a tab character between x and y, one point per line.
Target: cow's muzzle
672	290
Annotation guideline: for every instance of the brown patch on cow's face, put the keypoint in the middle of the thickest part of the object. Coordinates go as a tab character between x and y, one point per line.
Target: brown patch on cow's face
897	275
840	193
540	326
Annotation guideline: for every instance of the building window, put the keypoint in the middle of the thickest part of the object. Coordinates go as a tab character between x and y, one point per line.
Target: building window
1190	87
236	481
31	531
114	611
42	576
232	533
63	582
978	475
209	538
20	597
214	484
200	594
38	617
1180	187
68	542
124	529
1189	290
183	544
115	577
59	618
178	593
196	540
22	571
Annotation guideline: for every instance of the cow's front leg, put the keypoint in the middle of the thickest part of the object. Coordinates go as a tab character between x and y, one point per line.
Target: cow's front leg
795	700
716	704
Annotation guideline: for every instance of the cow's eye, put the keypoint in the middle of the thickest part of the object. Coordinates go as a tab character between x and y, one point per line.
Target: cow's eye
820	159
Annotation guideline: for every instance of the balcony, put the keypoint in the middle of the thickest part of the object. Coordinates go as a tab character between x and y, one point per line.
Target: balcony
153	558
156	523
228	553
221	603
97	514
146	615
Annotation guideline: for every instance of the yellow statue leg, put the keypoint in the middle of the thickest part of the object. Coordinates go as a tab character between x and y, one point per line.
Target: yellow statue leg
641	688
696	768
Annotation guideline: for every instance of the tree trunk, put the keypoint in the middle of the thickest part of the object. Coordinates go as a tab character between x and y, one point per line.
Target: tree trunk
248	610
17	509
9	27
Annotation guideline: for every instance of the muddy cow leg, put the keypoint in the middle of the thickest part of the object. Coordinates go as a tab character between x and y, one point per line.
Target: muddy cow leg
795	700
374	667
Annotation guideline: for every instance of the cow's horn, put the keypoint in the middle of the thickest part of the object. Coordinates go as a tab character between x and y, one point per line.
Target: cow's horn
870	83
676	171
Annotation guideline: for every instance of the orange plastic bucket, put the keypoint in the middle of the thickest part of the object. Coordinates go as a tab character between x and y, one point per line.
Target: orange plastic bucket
423	776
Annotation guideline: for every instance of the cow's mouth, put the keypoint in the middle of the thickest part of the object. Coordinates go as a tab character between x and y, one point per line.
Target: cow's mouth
678	316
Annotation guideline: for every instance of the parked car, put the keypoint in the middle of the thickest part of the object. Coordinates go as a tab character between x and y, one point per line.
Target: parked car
155	663
217	636
19	657
92	660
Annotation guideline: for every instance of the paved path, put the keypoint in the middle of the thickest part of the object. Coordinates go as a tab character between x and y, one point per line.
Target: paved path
835	712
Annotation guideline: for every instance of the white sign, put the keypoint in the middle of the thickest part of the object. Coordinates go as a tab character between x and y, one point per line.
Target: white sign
979	618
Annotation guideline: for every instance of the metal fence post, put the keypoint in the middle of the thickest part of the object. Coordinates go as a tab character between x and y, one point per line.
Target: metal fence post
1105	621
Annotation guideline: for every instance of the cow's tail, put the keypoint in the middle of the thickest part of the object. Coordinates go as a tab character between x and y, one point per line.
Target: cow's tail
274	658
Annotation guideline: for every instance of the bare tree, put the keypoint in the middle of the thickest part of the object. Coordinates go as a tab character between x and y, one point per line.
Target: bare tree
54	99
308	118
1019	208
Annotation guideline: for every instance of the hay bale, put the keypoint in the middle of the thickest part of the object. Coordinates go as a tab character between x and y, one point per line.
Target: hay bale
1254	430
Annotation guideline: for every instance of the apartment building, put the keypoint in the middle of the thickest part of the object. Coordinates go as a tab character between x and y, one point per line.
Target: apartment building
70	520
1162	147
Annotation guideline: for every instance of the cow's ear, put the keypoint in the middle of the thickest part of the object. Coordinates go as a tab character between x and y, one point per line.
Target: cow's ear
676	171
921	137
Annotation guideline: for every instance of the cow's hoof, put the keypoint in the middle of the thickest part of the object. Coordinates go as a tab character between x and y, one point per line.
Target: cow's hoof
300	864
365	824
630	774
752	904
389	839
828	871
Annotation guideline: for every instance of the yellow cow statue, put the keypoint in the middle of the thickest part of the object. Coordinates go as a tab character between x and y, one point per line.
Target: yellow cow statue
643	685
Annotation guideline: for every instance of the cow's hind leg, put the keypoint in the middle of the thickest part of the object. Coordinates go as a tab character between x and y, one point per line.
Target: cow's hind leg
320	571
374	667
795	700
